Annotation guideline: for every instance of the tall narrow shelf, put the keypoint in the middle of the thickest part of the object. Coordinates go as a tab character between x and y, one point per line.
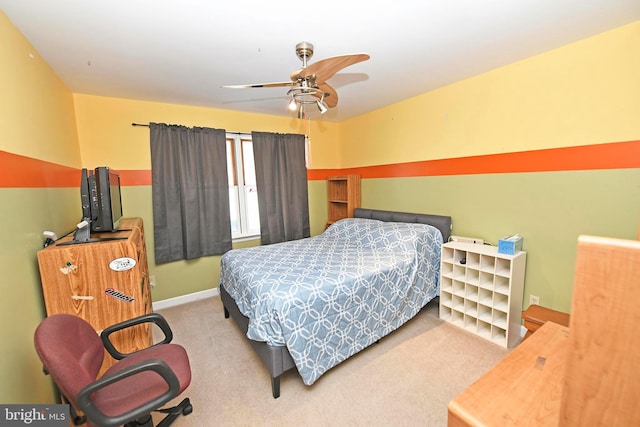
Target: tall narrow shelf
481	291
343	193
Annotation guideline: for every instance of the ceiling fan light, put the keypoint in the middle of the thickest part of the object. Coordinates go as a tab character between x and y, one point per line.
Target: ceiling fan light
322	106
292	104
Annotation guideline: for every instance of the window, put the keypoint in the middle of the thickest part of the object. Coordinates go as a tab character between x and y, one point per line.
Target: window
243	193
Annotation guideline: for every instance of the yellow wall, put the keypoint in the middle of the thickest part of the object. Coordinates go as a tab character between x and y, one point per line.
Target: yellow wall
36	105
584	93
107	136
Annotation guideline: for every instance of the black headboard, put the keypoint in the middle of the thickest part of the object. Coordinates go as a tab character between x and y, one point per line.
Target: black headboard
442	223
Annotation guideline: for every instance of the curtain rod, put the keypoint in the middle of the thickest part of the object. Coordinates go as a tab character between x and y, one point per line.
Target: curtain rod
227	131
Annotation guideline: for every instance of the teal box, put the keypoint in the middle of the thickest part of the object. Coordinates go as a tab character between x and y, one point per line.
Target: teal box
510	245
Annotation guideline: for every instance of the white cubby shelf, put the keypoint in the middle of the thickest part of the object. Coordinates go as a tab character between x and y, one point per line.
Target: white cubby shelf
481	291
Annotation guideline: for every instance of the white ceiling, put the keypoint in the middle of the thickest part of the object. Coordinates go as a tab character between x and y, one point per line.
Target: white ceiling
183	51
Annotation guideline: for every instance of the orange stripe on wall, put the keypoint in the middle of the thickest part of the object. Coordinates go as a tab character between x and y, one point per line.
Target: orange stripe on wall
25	172
617	155
132	177
19	171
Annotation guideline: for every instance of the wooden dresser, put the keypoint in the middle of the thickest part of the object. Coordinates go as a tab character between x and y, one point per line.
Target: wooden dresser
584	375
103	282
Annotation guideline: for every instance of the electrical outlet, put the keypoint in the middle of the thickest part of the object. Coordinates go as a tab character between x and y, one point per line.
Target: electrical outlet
152	280
534	300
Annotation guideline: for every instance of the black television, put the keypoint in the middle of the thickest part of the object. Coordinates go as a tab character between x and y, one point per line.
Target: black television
101	204
107	203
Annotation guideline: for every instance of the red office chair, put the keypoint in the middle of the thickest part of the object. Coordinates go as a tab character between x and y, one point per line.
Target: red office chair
126	394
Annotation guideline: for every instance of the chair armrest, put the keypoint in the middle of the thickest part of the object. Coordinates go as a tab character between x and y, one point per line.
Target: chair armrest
155	318
97	416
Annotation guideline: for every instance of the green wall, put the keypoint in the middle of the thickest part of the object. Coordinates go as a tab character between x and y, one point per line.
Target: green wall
549	209
24	215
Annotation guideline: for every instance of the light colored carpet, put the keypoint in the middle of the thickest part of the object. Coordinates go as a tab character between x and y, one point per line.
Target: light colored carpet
407	379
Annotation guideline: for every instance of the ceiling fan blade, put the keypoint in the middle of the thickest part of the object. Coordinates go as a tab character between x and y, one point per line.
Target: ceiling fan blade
330	95
326	68
296	74
276	84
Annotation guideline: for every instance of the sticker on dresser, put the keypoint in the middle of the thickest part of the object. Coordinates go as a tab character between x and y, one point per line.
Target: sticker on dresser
118	295
122	264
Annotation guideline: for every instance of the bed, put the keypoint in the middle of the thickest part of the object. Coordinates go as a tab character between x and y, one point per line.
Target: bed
311	303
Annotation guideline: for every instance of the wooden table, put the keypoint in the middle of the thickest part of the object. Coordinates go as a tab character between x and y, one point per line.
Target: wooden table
524	388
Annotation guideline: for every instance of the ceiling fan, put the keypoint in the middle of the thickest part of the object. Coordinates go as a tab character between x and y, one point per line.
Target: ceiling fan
309	83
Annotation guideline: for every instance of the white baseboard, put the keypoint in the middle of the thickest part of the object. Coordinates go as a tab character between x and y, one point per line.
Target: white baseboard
184	299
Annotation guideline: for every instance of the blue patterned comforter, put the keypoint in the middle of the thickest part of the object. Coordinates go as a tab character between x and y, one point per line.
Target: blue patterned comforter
329	296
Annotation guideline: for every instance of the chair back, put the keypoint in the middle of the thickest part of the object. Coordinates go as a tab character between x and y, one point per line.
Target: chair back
71	352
